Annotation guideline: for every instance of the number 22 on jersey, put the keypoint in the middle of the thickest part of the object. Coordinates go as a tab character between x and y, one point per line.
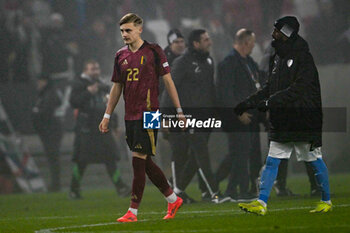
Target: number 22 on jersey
132	74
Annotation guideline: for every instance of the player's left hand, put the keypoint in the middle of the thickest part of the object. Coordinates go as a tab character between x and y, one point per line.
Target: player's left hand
103	127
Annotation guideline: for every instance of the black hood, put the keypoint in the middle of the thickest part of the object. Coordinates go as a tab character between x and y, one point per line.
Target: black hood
288	25
300	44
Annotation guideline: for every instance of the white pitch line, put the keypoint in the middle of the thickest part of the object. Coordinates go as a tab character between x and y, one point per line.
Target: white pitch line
154	213
51	230
205	230
94	215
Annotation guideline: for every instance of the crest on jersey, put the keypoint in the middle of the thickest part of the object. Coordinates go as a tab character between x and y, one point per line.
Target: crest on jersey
125	62
143	60
290	62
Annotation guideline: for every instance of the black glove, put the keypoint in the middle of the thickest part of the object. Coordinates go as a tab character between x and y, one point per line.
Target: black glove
242	107
263	106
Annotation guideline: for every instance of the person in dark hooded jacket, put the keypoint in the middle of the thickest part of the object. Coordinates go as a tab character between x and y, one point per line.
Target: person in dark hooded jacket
281	180
49	127
292	96
88	97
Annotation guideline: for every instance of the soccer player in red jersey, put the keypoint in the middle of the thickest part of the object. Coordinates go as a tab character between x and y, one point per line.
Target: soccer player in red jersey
137	68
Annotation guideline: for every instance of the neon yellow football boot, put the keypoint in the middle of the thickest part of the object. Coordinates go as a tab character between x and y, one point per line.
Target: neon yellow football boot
322	207
253	207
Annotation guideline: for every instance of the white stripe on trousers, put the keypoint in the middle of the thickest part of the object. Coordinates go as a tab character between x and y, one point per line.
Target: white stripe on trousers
206	182
174	174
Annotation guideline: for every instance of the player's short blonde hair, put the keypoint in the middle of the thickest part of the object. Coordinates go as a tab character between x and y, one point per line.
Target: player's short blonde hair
131	18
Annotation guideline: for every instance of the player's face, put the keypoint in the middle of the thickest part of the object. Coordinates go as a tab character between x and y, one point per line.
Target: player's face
93	70
250	45
277	35
204	43
130	33
178	46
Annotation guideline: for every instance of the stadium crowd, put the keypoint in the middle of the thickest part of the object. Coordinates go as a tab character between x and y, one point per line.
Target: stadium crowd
88	28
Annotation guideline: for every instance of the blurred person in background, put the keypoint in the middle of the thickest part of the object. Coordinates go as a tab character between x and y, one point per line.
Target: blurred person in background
193	74
176	45
22	41
323	32
99	45
49	127
238	78
90	146
178	143
6	45
292	96
54	47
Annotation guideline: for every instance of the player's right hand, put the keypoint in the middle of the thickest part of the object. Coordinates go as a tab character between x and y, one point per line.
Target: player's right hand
181	117
103	127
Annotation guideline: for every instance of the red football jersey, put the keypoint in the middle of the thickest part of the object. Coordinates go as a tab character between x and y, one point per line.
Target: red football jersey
139	73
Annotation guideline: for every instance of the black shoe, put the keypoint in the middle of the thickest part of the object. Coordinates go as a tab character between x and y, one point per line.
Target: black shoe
74	195
123	190
233	195
218	198
186	199
246	197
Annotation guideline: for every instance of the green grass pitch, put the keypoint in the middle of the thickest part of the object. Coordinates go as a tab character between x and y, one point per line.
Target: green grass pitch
45	213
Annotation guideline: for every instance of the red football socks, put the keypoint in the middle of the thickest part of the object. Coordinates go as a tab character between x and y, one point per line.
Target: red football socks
141	168
157	177
138	183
